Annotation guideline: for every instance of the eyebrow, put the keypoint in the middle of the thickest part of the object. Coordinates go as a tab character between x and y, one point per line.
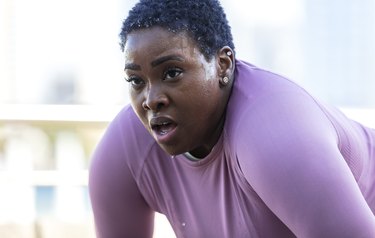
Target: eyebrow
132	66
156	62
166	58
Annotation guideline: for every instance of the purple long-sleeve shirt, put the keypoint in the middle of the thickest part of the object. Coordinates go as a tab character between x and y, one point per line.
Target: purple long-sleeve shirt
285	165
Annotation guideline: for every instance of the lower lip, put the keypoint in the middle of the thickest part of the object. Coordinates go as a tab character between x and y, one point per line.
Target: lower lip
166	138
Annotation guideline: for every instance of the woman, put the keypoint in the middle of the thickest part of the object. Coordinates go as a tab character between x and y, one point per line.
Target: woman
221	147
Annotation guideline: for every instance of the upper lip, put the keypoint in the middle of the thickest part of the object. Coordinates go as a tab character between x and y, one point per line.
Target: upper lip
160	120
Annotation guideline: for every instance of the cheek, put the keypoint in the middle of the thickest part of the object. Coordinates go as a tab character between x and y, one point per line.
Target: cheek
205	83
208	89
210	96
136	103
202	98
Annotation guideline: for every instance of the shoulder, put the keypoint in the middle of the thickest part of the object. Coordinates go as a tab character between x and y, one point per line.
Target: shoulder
125	142
134	135
268	110
252	82
114	185
287	149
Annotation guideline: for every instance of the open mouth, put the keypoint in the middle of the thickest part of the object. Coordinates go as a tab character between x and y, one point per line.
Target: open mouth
163	128
162	125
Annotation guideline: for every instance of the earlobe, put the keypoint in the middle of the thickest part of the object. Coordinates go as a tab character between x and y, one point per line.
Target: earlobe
224	81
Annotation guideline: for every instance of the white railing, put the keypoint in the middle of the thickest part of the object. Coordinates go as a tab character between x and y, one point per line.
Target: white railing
19	178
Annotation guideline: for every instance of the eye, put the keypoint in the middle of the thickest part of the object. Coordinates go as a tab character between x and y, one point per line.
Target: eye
135	81
172	73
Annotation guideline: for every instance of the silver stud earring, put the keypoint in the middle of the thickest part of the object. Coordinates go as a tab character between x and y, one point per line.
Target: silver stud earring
229	53
225	80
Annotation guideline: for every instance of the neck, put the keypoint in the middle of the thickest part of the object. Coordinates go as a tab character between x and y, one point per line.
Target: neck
203	150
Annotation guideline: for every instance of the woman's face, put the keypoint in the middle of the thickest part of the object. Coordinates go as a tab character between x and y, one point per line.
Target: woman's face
175	91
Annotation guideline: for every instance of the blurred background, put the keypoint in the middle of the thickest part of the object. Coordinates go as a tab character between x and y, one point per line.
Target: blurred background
61	83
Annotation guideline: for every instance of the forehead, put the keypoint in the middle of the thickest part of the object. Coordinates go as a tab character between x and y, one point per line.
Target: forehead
157	40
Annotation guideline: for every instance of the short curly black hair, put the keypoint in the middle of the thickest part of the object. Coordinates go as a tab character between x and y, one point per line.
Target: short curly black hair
203	20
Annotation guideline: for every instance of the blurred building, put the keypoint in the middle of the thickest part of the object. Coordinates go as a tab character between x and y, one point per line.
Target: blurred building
339	51
325	46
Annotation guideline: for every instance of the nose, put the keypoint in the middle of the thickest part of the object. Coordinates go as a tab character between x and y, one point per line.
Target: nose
155	100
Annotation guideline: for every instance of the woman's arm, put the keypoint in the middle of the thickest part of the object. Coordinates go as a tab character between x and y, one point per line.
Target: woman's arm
119	209
289	155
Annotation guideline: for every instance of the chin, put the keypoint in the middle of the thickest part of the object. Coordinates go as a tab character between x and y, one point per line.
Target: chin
172	150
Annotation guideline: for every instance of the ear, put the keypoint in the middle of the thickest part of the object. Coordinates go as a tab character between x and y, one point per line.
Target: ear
226	62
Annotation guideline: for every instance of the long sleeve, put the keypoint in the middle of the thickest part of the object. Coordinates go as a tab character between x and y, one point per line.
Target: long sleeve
119	209
288	152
